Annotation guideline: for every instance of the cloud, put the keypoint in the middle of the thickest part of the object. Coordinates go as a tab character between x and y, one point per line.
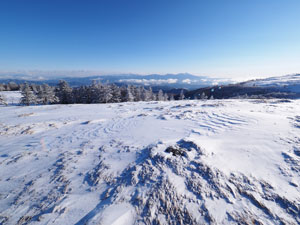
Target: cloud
187	81
148	82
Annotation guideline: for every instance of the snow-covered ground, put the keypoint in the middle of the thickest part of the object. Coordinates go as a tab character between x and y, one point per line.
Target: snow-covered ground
180	162
11	97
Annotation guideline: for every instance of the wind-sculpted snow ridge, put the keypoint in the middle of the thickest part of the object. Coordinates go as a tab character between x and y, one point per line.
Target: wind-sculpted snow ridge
183	162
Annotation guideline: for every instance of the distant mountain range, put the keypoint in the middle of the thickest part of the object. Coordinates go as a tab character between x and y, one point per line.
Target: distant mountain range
168	81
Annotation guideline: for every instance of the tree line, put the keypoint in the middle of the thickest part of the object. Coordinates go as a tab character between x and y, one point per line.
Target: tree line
95	93
10	86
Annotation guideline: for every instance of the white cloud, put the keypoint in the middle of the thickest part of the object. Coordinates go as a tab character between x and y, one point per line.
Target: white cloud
187	81
151	81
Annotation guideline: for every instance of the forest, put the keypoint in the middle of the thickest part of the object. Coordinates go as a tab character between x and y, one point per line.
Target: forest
63	93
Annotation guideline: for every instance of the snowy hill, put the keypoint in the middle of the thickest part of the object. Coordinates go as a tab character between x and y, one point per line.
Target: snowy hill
287	83
180	162
287	87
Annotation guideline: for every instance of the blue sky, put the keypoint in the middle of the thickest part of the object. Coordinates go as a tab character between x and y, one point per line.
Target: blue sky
232	38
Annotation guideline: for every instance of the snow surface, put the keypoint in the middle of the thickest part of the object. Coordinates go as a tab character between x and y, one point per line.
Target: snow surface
11	97
239	162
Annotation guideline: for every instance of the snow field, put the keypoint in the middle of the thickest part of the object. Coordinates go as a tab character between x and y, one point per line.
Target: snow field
231	161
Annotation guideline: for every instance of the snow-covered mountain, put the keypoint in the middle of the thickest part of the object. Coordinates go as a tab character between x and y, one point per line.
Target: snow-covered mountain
179	162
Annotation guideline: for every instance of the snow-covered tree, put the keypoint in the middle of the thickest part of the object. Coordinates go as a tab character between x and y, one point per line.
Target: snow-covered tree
106	94
34	88
166	97
22	87
64	93
129	96
2	87
46	95
2	100
172	97
116	93
28	97
203	96
181	95
143	94
138	94
152	95
93	93
160	95
87	94
12	86
147	95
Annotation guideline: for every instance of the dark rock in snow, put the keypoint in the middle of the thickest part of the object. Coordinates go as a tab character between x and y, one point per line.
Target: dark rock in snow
176	151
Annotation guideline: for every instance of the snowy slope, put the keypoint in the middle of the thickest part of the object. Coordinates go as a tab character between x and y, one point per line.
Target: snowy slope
11	97
284	83
227	162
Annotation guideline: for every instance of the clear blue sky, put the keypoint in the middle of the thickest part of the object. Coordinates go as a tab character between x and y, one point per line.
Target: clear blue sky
225	38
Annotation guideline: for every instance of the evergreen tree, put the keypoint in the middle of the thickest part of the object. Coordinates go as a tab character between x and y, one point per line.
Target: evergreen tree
166	97
147	95
203	96
106	94
2	88
181	96
160	95
152	97
143	94
28	97
2	100
46	95
123	91
82	95
129	96
94	92
137	92
34	88
116	93
64	93
13	86
172	97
